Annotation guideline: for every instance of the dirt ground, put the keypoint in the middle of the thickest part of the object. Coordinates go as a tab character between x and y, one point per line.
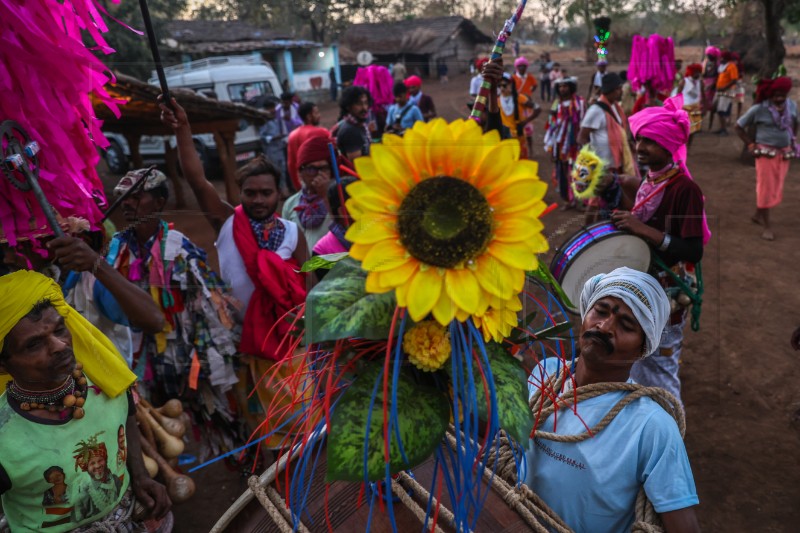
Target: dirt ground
739	373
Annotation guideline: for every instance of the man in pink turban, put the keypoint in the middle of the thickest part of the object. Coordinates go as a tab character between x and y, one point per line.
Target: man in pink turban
668	214
423	101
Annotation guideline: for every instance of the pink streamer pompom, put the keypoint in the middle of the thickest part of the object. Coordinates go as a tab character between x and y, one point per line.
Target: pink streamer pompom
48	77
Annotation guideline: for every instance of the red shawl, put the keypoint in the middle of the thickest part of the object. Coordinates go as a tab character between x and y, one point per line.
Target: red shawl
278	289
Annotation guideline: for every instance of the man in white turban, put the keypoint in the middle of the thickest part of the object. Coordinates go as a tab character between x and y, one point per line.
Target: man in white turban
592	484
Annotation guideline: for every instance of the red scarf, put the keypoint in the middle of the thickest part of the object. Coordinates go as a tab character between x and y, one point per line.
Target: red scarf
278	289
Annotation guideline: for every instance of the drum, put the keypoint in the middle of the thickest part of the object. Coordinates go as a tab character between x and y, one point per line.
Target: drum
596	249
349	511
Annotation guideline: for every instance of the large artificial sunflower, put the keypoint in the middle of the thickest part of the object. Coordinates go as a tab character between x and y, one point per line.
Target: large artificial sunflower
447	216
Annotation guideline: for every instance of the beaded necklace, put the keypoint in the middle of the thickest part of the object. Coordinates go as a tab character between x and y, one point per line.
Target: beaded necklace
69	395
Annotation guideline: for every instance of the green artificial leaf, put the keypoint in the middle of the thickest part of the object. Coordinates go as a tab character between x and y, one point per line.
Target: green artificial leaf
511	391
339	306
327	261
423	415
543	274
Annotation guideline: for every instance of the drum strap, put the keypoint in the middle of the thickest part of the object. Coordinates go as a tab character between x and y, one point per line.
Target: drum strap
695	296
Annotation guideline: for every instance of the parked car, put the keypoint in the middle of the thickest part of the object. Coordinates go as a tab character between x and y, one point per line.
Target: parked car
242	79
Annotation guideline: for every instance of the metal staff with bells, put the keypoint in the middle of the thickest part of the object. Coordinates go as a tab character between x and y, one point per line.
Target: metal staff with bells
21	166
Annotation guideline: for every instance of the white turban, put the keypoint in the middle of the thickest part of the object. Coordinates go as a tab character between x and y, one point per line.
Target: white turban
640	291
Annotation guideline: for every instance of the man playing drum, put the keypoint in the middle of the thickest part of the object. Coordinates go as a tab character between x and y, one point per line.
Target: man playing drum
668	214
593	484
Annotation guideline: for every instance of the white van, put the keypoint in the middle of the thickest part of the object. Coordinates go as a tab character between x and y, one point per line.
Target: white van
242	79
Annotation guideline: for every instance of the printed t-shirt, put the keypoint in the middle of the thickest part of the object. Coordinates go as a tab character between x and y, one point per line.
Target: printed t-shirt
85	453
593	484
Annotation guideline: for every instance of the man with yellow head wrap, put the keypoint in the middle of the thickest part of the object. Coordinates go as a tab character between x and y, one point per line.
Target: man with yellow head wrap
63	415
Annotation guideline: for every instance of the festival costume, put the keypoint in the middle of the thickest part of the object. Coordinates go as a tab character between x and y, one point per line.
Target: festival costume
671	202
692	94
560	139
774	135
609	137
196	349
710	85
278	290
511	116
728	73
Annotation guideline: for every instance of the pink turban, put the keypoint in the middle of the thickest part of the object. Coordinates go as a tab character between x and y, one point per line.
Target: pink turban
668	125
521	61
413	81
713	51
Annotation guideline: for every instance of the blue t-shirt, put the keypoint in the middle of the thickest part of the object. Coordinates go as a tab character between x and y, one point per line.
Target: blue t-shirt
412	115
593	484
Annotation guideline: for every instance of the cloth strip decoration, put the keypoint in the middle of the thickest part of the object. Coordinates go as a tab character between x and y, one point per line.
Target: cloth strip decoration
640	291
101	361
41	46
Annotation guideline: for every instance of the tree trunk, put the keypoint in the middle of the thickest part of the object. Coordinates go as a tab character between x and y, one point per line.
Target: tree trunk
587	20
773	13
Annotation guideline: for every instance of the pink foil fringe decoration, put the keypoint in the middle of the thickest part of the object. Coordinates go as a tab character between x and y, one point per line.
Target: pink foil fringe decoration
378	81
653	60
47	77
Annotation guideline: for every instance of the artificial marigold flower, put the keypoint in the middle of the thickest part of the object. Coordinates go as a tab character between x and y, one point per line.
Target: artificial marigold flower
427	345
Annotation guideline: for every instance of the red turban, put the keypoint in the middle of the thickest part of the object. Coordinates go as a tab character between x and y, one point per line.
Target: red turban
480	62
694	68
314	149
413	81
768	87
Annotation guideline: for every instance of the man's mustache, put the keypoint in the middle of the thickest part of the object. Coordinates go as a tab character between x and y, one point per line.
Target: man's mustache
602	337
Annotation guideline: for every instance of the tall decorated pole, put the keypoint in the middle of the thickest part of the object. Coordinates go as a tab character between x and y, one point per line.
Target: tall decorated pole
479	107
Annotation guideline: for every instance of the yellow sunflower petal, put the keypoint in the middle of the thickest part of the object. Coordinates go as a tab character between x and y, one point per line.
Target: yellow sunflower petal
401	293
371	228
498	162
496	277
471	151
359	251
416	152
516	197
380	189
517	229
373	285
463	288
538	243
401	274
423	292
517	255
445	309
440	146
523	170
384	255
392	167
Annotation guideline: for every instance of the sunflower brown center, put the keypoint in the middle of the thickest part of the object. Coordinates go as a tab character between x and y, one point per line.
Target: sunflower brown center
445	221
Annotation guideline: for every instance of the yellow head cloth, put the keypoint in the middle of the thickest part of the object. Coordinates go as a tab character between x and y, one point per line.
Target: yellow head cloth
20	291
